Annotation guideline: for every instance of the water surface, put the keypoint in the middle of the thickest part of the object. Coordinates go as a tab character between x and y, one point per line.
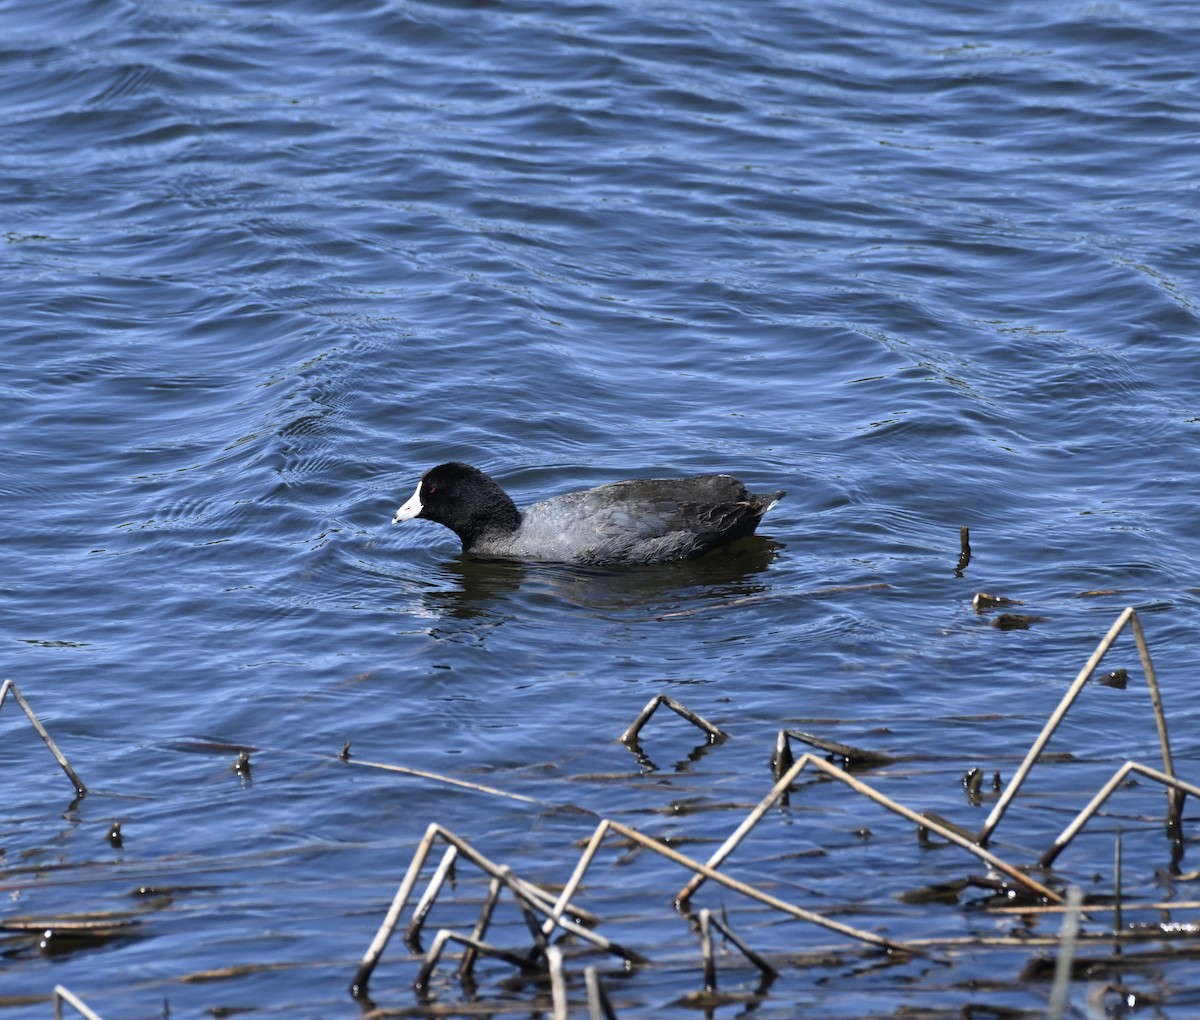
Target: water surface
264	264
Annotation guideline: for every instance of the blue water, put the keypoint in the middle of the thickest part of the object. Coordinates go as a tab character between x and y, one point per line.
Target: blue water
922	266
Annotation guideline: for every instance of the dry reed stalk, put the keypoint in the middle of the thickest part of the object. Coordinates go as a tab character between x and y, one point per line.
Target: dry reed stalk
1127	618
1117	922
558	983
947	833
631	734
751	892
528	896
599	1007
62	995
1118	777
526	893
59	757
581	866
1066	952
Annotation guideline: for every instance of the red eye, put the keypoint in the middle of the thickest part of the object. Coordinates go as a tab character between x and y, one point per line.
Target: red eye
432	489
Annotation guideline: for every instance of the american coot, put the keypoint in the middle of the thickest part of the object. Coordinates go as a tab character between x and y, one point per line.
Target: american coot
653	520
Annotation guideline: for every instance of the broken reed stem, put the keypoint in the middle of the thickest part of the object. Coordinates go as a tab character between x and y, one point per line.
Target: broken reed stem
1066	953
1117	922
599	1008
467	964
858	786
782	759
558	983
707	920
537	899
528	907
706	951
1127	617
444	935
755	894
631	734
1117	778
581	866
430	894
62	995
34	721
1174	797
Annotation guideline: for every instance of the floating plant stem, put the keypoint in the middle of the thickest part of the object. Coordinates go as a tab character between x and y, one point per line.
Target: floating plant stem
438	777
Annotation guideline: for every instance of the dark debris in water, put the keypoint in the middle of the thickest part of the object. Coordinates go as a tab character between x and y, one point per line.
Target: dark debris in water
1117	678
1016	621
983	602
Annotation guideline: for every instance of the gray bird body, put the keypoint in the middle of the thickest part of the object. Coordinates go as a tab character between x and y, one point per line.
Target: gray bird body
642	521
